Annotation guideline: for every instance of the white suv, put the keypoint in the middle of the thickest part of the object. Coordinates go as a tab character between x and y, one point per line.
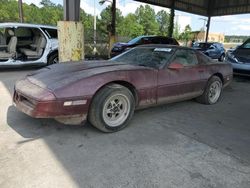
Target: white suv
27	44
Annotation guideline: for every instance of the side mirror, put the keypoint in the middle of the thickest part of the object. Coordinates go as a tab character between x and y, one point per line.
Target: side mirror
211	47
175	66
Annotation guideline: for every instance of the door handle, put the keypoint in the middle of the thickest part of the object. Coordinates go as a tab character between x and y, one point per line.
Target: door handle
201	70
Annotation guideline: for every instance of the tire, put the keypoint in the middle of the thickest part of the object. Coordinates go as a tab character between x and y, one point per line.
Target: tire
222	57
53	59
212	92
112	108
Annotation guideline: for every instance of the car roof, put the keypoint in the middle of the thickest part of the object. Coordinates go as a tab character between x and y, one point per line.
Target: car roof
154	36
208	42
163	46
12	24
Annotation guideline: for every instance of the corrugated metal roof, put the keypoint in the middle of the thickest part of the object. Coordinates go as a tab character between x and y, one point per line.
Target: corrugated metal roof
205	7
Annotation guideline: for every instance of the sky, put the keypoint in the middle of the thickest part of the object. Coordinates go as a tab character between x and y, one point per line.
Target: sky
228	25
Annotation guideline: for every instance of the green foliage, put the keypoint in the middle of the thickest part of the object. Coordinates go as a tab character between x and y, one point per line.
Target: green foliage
186	35
176	32
147	18
105	21
8	11
162	18
129	27
143	22
235	38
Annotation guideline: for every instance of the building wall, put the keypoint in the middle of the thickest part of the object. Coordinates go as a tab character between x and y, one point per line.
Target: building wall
212	37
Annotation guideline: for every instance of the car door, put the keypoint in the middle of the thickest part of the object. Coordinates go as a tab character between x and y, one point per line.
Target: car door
180	82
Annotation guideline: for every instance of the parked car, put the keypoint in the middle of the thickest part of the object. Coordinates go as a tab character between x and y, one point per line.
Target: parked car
24	44
107	93
240	58
214	50
120	47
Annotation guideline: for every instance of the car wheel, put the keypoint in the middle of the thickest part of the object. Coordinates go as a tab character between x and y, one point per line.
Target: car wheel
53	59
222	58
212	91
112	108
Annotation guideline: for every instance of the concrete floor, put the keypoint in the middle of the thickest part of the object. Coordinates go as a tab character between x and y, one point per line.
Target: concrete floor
185	144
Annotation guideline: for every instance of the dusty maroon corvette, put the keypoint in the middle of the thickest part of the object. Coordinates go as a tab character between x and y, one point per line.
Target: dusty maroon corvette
107	92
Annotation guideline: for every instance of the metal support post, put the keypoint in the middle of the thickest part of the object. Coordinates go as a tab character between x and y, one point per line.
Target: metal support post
208	27
70	33
171	21
20	7
112	36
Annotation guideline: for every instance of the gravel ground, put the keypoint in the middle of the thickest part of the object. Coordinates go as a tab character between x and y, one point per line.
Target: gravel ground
185	144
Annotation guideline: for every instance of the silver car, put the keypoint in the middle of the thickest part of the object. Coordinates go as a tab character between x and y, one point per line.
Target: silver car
24	44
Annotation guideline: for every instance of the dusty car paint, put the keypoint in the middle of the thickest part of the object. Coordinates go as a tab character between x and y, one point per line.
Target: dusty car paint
50	87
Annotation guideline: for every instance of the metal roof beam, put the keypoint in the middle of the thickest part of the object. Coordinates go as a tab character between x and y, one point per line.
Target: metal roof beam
206	7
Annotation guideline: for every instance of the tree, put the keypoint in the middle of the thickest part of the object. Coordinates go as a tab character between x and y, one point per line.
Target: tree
88	23
105	21
9	11
146	17
47	3
186	35
176	32
162	18
129	27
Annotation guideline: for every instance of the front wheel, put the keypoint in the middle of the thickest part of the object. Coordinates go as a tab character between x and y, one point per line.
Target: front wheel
53	59
212	91
112	108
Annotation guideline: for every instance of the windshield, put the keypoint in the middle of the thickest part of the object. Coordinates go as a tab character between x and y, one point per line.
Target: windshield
202	45
246	45
135	40
145	56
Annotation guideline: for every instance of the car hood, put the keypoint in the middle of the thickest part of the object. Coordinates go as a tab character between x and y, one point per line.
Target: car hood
62	74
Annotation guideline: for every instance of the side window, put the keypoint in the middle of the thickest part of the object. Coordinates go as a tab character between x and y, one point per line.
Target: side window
156	40
24	36
185	57
52	33
167	41
23	32
247	45
146	40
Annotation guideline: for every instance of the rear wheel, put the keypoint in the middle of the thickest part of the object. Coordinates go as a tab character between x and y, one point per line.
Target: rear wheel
53	59
112	108
212	92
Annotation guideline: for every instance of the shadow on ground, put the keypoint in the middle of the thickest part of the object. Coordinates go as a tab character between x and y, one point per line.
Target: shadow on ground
156	148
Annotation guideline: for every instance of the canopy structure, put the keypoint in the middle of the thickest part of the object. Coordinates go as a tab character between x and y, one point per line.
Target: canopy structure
206	8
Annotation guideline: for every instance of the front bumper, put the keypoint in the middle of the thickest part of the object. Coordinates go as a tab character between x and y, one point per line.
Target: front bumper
40	108
241	67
